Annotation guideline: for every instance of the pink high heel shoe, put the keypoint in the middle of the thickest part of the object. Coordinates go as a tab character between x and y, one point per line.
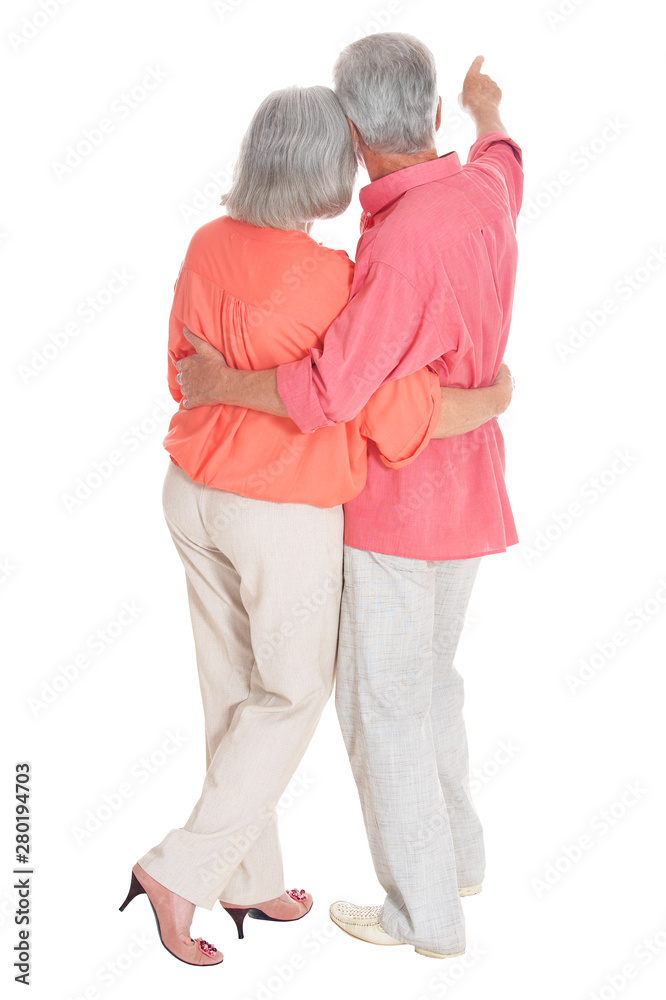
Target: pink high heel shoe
273	909
198	952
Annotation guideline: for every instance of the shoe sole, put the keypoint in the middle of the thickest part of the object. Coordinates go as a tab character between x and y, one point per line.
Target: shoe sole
435	954
260	915
388	944
350	930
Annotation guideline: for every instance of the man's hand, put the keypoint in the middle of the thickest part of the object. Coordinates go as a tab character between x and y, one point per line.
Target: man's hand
202	374
480	98
206	379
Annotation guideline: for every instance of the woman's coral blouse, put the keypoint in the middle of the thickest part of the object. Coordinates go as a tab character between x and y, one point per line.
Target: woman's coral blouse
264	297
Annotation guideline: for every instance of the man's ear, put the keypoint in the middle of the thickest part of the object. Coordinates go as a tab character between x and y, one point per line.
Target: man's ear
357	141
438	116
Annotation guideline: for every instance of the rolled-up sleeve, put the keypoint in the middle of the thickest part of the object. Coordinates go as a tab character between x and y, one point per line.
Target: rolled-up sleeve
385	332
499	151
401	417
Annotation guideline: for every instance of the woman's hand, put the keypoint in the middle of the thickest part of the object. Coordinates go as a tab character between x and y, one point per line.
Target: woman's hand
464	410
202	376
505	384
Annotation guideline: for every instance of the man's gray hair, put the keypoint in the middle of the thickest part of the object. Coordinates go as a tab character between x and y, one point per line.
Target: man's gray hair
387	85
296	161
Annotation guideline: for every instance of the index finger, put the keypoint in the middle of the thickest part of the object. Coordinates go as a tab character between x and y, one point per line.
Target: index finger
476	66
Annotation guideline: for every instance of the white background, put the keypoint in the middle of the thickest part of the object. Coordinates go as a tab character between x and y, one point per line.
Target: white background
544	925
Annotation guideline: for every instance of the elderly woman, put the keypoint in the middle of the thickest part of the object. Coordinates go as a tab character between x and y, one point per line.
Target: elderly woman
254	509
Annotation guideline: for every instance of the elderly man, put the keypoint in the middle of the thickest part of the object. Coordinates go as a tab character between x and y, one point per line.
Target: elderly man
434	279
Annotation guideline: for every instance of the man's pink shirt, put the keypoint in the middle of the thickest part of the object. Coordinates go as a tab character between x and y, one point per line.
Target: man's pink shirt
433	284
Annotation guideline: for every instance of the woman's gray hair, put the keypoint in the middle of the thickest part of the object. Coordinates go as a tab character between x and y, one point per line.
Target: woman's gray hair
296	161
387	85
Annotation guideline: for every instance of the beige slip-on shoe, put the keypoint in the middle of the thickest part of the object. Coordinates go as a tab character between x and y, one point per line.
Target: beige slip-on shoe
362	922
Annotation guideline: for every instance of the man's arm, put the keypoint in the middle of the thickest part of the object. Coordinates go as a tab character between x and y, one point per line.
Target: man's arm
362	350
480	98
462	409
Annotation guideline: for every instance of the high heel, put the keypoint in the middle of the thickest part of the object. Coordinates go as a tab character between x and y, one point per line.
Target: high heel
198	952
238	913
135	889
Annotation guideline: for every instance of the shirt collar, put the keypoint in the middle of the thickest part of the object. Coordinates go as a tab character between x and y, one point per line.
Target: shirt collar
380	193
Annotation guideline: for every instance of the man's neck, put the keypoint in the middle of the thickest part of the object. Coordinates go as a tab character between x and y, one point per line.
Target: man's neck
379	165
